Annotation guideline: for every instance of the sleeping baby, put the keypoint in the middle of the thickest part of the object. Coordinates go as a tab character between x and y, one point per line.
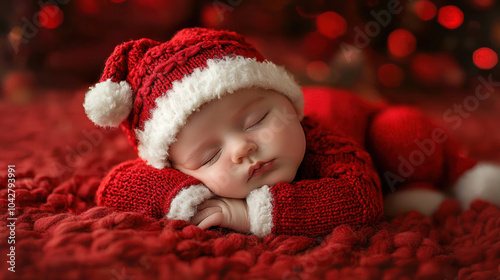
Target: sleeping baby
227	138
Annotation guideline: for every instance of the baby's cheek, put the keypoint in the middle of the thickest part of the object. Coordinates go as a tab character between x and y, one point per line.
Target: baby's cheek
216	180
221	178
288	175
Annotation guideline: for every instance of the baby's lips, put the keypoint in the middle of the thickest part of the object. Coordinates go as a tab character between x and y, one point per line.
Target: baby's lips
259	168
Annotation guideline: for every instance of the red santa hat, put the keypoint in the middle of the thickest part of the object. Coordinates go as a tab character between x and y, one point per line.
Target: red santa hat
149	88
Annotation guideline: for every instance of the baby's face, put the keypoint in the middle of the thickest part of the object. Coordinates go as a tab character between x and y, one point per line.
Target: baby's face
226	139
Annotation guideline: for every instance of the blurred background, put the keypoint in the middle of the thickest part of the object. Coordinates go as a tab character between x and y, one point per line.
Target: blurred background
441	56
377	48
433	54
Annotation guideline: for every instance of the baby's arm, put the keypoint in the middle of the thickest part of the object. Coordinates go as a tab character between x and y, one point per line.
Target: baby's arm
136	186
343	189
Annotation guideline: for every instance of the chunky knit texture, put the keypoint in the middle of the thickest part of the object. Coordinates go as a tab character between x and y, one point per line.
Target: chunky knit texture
61	159
135	186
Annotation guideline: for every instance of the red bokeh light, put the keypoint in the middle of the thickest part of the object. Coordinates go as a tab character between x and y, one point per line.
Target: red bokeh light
495	32
401	43
482	4
88	6
50	16
210	17
425	10
450	16
390	75
273	6
437	69
318	71
315	45
331	24
485	58
425	68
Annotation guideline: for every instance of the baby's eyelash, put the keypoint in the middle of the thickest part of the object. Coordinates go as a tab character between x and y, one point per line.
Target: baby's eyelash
259	120
211	159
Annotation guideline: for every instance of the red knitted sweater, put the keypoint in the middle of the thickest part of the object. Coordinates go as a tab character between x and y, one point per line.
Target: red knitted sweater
335	184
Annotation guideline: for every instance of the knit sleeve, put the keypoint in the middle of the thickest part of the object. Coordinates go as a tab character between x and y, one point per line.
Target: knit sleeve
339	185
138	187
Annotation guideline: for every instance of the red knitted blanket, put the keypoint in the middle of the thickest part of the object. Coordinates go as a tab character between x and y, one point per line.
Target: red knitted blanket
59	159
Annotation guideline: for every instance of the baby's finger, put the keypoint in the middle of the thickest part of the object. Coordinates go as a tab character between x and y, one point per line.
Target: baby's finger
208	203
212	220
202	214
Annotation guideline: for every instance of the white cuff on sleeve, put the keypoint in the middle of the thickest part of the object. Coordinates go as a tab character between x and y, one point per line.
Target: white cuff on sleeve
260	211
184	205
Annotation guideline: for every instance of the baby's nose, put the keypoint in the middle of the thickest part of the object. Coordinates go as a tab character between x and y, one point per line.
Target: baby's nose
244	149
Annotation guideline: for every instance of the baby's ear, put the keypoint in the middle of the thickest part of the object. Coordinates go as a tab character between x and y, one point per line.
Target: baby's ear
299	112
300	115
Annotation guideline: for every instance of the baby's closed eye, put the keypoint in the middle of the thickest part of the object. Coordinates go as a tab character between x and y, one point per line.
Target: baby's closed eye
255	123
212	158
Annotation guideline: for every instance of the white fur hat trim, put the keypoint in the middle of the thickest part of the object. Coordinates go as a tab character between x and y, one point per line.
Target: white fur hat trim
219	77
108	103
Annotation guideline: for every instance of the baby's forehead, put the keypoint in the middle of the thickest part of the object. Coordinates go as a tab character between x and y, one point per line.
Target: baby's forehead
224	110
237	100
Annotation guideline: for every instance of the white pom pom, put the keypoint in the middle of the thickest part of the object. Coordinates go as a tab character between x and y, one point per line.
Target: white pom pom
481	182
108	103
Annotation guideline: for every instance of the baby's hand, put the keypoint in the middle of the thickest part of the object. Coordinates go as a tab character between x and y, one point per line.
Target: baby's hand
225	212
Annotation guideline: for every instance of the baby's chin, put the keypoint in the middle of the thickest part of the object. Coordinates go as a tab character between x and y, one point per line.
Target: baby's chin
283	177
